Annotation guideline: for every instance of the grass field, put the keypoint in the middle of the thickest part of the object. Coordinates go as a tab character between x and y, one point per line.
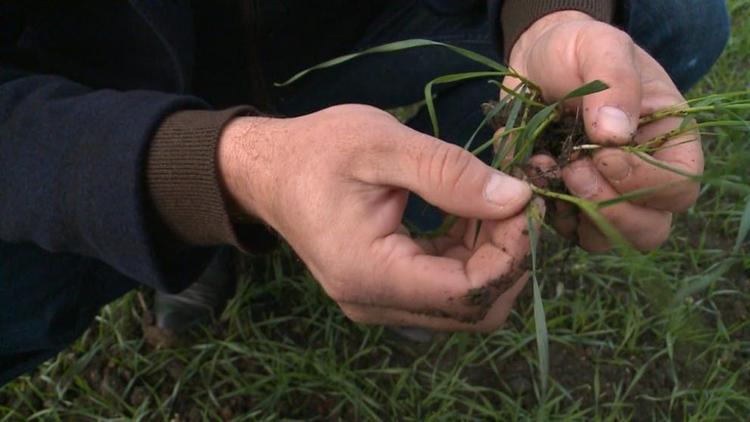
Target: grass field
660	336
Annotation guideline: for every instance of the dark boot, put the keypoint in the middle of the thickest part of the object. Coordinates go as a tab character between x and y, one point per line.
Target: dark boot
203	301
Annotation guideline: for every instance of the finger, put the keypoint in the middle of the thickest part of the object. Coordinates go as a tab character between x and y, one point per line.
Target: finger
680	156
408	279
645	228
542	170
589	237
600	52
502	256
610	116
565	219
513	235
439	245
674	191
628	173
448	177
494	319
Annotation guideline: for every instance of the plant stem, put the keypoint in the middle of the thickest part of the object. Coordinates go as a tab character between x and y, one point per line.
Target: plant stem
677	111
480	149
586	147
562	196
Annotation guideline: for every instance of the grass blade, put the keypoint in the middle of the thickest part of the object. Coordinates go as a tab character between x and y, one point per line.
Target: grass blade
744	227
647	158
456	77
703	281
496	109
607	229
406	112
592	212
590	88
398	46
636	194
540	319
503	144
533	129
528	100
489	142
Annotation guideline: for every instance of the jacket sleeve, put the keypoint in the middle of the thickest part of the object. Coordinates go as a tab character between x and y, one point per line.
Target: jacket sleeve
99	138
510	18
72	162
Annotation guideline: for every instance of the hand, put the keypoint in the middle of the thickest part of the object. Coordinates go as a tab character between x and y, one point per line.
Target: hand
334	184
561	52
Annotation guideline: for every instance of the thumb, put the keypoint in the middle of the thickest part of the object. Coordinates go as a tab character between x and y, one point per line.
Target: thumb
453	179
611	116
593	50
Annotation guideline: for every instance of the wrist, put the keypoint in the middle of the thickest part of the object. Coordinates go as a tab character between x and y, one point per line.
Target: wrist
244	161
531	36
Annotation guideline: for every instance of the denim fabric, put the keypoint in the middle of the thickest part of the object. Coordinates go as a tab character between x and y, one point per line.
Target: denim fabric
685	36
48	299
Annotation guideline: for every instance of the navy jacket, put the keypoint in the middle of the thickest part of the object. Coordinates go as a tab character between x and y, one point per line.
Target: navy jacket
83	85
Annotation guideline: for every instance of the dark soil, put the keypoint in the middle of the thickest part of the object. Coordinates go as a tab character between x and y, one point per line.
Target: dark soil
558	140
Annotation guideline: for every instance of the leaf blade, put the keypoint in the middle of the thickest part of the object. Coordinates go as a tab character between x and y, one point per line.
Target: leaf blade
742	232
393	47
590	88
454	77
540	319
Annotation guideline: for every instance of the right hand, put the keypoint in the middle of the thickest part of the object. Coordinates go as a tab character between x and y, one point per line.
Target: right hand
334	184
561	52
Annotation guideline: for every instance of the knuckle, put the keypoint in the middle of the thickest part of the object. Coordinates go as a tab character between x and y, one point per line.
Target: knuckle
617	216
361	116
683	197
604	33
354	108
658	235
353	313
337	291
671	95
690	197
448	166
620	37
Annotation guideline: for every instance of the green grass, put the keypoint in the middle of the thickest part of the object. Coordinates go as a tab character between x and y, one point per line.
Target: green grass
621	345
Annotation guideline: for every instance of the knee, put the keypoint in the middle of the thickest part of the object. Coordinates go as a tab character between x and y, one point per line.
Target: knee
711	29
699	40
685	36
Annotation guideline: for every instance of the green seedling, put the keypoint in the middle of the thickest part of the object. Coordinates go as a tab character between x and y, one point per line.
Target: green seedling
530	126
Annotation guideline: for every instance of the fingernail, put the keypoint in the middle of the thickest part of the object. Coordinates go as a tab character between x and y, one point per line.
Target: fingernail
615	121
614	167
502	189
583	181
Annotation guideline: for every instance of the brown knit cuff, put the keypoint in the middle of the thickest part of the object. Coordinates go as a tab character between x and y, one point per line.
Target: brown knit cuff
183	182
518	15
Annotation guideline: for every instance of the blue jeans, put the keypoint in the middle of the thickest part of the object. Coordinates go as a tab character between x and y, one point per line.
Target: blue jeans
47	300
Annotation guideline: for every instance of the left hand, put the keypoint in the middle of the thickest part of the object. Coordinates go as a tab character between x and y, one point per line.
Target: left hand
565	50
335	183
